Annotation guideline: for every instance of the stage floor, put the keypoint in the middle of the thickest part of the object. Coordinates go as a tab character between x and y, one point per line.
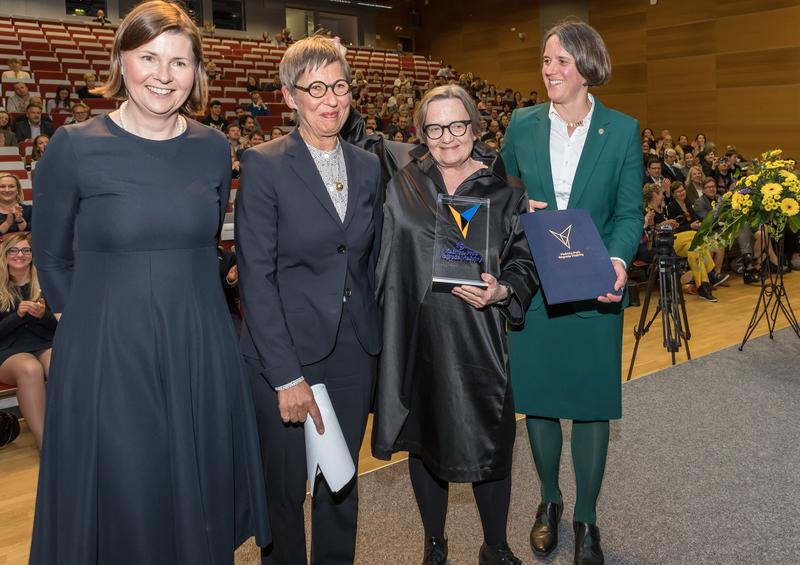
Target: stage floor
714	326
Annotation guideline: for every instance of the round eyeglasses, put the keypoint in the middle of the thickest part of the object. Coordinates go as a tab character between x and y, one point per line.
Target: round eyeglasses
456	129
318	89
14	251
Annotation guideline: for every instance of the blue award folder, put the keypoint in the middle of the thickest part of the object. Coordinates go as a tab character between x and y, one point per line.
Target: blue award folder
570	257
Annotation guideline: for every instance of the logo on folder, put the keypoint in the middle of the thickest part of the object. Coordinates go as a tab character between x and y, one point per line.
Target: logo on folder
563	236
463	218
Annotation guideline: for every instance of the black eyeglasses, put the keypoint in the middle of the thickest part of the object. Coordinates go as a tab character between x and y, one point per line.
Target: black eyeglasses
14	251
456	129
318	89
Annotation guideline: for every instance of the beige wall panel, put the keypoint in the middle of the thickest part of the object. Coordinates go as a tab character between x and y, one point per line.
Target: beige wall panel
772	66
626	79
600	10
632	104
677	12
733	7
625	37
698	107
681	41
682	74
765	105
764	30
753	139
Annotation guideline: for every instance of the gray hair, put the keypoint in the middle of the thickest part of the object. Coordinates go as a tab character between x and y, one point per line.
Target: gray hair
586	46
308	54
443	93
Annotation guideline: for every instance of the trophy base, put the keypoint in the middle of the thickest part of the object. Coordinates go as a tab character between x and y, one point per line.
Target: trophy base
442	284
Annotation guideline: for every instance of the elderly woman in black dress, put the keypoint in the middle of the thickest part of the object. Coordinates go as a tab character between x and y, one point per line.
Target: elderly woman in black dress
443	392
26	330
150	452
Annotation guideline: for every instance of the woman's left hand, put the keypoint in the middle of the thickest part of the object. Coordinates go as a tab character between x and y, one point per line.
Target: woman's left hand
479	297
622	279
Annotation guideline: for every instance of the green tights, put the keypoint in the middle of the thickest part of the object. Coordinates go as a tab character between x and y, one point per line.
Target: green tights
589	449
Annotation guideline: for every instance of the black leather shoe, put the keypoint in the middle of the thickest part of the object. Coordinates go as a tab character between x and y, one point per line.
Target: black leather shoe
587	544
544	533
501	555
435	551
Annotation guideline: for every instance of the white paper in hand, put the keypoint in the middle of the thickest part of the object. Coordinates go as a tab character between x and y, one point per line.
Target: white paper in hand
327	453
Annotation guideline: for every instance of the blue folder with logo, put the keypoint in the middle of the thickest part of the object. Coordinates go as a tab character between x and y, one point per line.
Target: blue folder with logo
570	257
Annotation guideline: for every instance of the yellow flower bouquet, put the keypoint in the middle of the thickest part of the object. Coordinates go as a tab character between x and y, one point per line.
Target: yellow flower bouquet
769	197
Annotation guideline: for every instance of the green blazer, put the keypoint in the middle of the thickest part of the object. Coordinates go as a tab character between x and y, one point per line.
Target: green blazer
608	181
566	361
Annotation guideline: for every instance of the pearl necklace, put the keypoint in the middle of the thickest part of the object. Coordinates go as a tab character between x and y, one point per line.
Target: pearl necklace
181	120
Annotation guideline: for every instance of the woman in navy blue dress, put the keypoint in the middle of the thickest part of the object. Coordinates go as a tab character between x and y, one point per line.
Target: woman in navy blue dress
150	450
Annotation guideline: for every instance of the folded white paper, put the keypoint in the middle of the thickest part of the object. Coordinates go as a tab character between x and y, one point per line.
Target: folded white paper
327	453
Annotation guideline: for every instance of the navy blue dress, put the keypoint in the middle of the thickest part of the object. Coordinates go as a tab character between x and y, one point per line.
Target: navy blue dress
150	452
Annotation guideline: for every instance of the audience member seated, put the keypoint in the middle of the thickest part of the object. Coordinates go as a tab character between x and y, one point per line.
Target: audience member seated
723	175
35	123
256	139
7	137
708	161
257	106
18	100
273	85
688	223
27	327
654	176
670	169
705	204
275	133
39	144
61	103
213	72
80	113
15	72
85	91
214	118
700	264
694	184
101	18
16	215
699	143
683	145
252	84
234	133
685	162
249	126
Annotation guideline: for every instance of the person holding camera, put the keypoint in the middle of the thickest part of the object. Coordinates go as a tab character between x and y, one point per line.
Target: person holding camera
657	218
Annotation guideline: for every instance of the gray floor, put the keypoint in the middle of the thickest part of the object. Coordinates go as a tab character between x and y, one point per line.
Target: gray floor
704	468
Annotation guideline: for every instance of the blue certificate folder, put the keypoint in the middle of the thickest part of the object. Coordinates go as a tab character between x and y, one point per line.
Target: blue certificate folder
570	257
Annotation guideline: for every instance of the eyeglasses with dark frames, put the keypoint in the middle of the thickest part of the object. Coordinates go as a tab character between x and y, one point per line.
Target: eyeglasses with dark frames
14	251
456	129
318	89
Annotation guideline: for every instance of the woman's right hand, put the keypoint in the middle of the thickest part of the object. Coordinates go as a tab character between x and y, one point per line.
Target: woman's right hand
534	205
25	307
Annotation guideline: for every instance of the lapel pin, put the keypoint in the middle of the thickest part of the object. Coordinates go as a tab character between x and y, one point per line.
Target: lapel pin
601	131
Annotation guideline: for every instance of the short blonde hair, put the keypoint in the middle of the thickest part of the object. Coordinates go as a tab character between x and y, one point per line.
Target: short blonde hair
442	93
308	54
144	23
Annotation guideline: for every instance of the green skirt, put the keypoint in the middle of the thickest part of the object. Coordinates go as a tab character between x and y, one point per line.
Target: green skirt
567	366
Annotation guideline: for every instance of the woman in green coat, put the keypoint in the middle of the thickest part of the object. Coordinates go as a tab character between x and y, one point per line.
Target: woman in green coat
574	153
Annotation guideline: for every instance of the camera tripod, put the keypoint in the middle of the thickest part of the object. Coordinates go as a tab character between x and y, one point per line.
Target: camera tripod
663	271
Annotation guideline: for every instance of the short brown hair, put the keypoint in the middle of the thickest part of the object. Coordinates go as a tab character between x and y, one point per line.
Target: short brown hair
648	190
582	41
443	93
144	23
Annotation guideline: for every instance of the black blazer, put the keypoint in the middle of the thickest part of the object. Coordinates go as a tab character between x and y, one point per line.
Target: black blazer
672	172
23	129
298	261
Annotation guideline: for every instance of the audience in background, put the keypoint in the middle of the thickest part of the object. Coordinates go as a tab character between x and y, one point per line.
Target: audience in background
16	215
39	144
15	72
214	117
35	123
80	113
27	327
19	99
85	91
101	18
7	137
257	106
252	84
61	102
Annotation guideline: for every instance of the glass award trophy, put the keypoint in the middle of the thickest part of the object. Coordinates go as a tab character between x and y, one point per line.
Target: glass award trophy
461	242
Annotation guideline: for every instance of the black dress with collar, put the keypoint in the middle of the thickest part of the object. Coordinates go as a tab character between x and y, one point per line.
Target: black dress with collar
443	390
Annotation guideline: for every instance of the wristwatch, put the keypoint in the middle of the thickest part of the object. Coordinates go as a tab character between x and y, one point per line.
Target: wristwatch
507	300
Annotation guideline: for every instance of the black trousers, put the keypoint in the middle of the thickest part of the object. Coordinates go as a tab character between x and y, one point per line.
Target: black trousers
348	374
